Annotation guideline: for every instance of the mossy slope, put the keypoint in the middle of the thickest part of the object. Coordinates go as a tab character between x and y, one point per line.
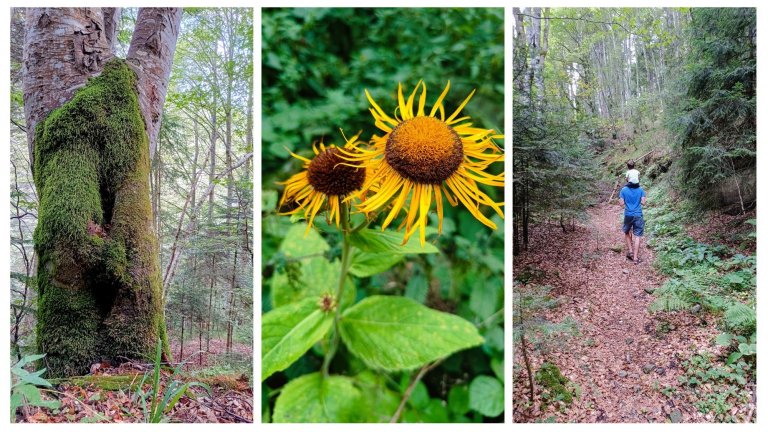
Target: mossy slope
100	294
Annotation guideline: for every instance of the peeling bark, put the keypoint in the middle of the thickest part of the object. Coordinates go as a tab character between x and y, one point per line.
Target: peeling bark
63	47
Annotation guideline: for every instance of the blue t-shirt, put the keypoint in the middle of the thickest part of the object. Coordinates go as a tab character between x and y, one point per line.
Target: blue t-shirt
632	197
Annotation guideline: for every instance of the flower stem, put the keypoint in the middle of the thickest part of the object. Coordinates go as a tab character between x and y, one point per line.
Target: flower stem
345	262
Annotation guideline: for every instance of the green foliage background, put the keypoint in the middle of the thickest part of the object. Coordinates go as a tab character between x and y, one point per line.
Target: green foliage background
316	64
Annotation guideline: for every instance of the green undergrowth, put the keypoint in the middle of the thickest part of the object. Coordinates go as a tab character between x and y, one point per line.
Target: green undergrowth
716	277
712	278
716	388
98	275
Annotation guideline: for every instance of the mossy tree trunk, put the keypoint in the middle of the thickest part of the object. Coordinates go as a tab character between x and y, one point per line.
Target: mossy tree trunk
100	291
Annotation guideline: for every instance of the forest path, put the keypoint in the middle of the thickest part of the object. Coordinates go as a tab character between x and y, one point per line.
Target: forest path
623	356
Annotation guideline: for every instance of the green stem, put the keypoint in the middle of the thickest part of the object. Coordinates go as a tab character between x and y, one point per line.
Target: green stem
345	262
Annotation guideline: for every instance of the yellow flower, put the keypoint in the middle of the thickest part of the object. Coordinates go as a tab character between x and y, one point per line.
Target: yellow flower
421	155
326	177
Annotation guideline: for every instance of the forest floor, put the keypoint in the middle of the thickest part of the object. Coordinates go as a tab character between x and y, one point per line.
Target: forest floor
624	355
109	394
198	354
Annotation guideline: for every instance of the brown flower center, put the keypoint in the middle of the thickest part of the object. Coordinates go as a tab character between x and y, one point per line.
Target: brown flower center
424	149
330	174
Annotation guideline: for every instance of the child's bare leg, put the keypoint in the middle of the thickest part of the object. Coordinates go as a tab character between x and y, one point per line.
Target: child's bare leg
636	248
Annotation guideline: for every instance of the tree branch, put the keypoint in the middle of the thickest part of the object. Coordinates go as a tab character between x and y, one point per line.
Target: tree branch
19	125
407	395
581	18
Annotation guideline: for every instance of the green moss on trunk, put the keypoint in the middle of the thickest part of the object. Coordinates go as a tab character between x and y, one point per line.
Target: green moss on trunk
100	293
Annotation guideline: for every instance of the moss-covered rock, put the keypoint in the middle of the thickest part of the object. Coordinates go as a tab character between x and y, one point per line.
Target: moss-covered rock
100	291
556	387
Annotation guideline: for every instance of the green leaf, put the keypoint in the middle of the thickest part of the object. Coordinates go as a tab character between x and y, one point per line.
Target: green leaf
458	399
486	396
497	365
724	339
268	200
746	349
365	264
417	288
494	338
378	402
34	398
314	399
16	402
433	412
484	300
31	378
396	333
290	331
299	242
317	277
28	359
419	395
368	240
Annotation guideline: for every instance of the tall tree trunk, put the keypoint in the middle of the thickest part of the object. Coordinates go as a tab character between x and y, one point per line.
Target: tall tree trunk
520	59
542	55
534	45
181	337
231	308
212	161
210	300
100	295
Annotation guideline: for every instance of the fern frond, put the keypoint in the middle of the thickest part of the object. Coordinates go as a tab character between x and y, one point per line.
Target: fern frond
741	316
671	301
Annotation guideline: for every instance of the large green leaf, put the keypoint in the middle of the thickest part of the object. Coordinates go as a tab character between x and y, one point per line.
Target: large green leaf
315	277
315	399
366	264
299	242
290	331
486	396
369	240
396	333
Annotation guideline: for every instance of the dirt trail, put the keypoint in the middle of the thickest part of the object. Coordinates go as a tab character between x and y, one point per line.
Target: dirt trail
623	356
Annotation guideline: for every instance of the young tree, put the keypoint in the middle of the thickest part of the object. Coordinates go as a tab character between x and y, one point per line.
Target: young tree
92	124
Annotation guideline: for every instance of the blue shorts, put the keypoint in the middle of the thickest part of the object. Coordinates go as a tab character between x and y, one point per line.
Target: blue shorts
635	223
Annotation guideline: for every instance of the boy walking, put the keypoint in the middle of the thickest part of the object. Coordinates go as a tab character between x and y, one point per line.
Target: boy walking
633	200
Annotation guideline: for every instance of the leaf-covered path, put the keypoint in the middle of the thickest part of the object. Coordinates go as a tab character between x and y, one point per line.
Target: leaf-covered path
624	356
